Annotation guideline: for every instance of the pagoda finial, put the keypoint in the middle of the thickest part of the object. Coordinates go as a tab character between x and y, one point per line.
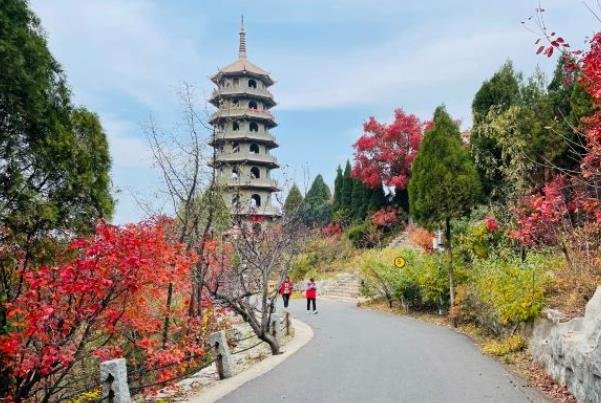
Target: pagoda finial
242	51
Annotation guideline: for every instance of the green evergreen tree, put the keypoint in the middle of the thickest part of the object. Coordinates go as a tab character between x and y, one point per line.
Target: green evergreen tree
376	199
336	205
359	200
444	183
293	201
318	211
347	190
501	91
498	94
54	158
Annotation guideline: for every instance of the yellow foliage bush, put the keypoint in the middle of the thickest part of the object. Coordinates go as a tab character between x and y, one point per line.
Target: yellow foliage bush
505	346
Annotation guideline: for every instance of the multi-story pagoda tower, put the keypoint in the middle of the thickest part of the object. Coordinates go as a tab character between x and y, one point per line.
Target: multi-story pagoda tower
242	139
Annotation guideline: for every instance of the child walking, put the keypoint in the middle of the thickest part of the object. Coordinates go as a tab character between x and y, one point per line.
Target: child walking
311	294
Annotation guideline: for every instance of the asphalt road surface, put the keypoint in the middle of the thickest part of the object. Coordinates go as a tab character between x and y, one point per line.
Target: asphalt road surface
359	355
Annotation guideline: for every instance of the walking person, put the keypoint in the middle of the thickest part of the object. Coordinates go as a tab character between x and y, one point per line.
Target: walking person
311	294
286	290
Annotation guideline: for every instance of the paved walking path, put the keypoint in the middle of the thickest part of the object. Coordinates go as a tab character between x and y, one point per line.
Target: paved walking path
359	355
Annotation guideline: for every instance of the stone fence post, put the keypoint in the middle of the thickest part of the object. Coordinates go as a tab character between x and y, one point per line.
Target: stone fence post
113	377
223	358
276	329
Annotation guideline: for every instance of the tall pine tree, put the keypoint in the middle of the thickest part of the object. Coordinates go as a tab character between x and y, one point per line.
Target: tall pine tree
337	190
293	201
444	185
347	190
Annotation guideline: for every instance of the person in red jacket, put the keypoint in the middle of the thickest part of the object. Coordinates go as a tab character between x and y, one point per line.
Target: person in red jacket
311	294
286	290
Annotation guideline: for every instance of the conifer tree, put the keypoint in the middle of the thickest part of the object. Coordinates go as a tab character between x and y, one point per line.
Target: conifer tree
317	209
337	190
293	200
445	184
376	200
359	199
347	190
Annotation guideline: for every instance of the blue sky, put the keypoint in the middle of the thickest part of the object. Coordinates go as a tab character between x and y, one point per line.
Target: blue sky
335	63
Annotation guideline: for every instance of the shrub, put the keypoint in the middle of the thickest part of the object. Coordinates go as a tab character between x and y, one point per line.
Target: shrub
358	234
509	291
422	283
421	237
508	345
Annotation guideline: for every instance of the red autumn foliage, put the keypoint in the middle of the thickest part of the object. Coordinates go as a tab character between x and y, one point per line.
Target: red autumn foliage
332	230
538	216
107	302
384	217
491	224
384	152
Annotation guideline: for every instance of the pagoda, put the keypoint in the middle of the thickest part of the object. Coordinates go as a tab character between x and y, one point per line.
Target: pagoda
242	139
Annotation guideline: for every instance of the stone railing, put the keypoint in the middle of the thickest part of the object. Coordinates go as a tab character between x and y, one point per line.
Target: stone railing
247	156
115	378
250	182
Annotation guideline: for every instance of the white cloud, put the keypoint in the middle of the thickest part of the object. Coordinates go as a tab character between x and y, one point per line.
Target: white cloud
118	47
127	151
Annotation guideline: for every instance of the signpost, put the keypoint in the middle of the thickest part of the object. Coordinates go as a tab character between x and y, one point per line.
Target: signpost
400	262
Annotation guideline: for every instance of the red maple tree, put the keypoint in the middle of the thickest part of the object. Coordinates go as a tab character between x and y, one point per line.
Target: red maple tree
109	301
384	152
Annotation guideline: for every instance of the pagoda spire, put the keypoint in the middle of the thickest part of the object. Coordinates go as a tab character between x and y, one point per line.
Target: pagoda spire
242	51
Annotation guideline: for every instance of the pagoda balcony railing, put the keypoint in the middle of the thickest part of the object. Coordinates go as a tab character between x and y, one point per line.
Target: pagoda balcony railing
234	112
245	134
246	156
246	181
267	210
259	92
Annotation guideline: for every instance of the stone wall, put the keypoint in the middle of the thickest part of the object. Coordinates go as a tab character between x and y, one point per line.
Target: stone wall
570	350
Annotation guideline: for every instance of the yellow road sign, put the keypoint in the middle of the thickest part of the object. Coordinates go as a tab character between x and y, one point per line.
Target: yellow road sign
400	262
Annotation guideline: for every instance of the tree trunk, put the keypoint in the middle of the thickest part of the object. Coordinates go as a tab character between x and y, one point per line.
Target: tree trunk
167	315
273	343
451	273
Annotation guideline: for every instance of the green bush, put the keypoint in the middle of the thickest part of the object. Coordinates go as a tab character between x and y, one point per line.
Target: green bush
509	291
357	234
422	283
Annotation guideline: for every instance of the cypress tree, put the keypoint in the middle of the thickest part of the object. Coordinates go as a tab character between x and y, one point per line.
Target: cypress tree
347	190
338	189
376	199
444	183
293	200
317	209
359	206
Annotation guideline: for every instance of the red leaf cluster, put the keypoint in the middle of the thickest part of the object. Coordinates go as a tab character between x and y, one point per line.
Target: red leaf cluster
384	217
491	224
108	301
332	230
384	152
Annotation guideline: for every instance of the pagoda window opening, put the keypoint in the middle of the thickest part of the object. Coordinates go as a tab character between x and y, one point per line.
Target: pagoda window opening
236	147
255	173
254	127
253	105
254	148
235	173
255	201
235	103
236	82
235	126
252	84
